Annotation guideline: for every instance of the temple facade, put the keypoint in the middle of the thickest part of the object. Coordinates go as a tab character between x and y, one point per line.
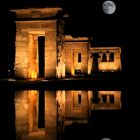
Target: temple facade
44	51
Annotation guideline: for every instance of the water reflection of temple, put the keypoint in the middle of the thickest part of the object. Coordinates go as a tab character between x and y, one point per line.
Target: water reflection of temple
44	114
44	51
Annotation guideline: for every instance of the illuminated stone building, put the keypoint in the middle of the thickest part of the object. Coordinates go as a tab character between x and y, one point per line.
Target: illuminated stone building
44	51
56	80
76	55
105	59
39	39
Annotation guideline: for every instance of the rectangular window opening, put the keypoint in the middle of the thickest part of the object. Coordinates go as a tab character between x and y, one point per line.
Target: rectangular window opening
79	57
111	98
104	98
104	58
111	57
79	98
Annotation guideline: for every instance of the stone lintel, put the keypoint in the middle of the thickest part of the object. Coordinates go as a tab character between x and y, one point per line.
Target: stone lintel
98	49
36	12
69	38
36	26
31	21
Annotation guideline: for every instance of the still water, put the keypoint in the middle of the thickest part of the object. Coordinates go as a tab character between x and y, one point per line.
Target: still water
63	114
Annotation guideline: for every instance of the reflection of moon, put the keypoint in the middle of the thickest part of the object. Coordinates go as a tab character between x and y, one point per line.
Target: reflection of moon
109	7
105	139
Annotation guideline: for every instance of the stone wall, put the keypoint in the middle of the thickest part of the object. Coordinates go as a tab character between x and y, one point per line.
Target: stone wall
106	65
50	115
25	45
32	23
21	113
72	48
61	108
21	55
107	100
60	69
27	109
76	105
50	54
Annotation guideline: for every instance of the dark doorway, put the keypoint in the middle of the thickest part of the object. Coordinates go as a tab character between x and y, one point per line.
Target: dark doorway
79	98
79	57
41	110
95	62
95	99
41	48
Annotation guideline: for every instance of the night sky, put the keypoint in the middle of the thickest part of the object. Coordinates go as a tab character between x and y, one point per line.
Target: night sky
86	18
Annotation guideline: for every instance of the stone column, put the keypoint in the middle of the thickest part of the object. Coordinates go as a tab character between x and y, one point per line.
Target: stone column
61	62
21	54
60	97
107	56
50	115
72	63
89	62
50	54
90	98
60	46
117	59
33	111
32	70
21	113
108	100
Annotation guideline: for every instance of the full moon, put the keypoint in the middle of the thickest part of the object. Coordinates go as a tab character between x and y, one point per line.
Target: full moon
109	7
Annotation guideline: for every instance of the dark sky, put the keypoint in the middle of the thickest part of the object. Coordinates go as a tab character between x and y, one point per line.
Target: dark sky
86	17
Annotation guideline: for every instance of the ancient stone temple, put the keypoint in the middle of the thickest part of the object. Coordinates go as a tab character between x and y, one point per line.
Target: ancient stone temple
44	51
105	59
76	55
39	36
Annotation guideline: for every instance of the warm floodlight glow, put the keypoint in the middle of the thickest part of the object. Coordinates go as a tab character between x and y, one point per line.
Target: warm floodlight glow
109	66
33	98
32	57
33	74
107	100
